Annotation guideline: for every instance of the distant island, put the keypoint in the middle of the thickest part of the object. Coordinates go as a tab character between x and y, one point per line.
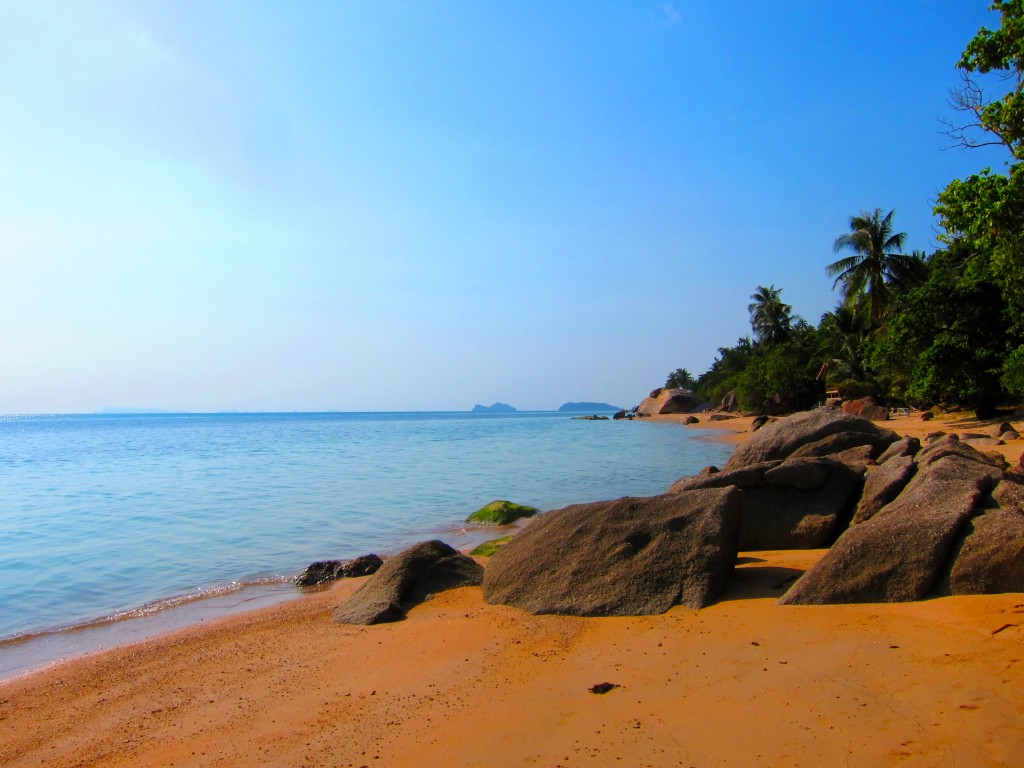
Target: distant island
574	407
496	408
118	410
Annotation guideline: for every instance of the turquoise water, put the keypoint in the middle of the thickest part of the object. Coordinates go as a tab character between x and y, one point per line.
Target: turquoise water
110	516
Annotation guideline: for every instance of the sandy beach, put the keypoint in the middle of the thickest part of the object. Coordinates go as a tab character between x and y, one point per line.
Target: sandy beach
745	682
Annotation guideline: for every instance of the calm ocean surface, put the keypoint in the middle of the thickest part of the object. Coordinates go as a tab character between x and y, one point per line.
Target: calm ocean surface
103	516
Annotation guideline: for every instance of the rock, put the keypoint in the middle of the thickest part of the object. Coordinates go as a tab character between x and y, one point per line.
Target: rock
854	407
408	579
897	555
669	401
990	558
691	420
747	477
931	437
882	484
488	548
875	413
364	565
632	556
796	504
950	445
1008	436
858	457
1004	428
788	516
927	416
760	421
593	417
324	571
801	473
721	417
783	438
709	470
905	446
730	402
842	442
620	414
501	512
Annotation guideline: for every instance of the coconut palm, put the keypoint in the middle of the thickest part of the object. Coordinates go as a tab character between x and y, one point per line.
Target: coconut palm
770	318
876	265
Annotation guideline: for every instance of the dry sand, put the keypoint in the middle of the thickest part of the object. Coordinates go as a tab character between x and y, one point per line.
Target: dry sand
744	682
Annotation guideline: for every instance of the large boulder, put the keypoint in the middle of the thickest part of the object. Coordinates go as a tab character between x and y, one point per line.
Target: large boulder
793	504
801	506
990	558
782	438
324	571
730	402
663	401
408	579
882	484
628	557
854	407
898	554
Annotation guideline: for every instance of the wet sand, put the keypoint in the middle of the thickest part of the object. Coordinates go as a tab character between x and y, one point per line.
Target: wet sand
744	682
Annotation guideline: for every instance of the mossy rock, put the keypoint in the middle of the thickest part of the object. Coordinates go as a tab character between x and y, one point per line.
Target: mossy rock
488	548
501	512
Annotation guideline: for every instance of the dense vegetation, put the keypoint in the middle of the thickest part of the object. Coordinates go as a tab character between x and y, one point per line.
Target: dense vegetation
916	329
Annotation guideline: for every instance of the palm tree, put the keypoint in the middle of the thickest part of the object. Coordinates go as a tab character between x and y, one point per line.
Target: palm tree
770	318
876	264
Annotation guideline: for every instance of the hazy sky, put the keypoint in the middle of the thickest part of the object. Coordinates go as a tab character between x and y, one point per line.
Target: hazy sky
425	205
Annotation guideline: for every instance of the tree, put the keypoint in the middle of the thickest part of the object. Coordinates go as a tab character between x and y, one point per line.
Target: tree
680	378
876	265
771	319
983	215
946	340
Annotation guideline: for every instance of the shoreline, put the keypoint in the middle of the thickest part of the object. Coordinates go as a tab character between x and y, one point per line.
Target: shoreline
935	682
33	652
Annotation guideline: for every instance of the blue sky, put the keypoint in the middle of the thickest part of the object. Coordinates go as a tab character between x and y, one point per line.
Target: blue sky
426	205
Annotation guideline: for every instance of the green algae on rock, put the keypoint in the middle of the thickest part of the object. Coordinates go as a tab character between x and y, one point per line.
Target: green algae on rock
488	548
501	512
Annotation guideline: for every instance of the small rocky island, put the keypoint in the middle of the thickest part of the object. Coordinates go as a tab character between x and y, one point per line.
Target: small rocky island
496	408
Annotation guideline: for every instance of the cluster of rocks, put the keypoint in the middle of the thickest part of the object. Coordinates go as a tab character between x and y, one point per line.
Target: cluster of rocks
900	522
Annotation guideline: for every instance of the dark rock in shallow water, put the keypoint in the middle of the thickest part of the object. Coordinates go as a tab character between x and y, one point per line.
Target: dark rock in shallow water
325	571
898	554
628	557
805	434
408	579
990	559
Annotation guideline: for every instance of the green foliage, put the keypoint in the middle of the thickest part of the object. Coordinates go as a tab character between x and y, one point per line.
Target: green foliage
786	369
876	267
946	340
680	378
501	512
723	375
770	318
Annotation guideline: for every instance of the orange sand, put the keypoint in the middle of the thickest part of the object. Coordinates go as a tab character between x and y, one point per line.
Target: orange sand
745	682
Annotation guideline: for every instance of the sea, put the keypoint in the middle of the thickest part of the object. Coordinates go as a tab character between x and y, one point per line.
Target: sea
117	527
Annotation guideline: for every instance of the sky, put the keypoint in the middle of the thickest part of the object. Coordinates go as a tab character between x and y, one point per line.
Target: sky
389	206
